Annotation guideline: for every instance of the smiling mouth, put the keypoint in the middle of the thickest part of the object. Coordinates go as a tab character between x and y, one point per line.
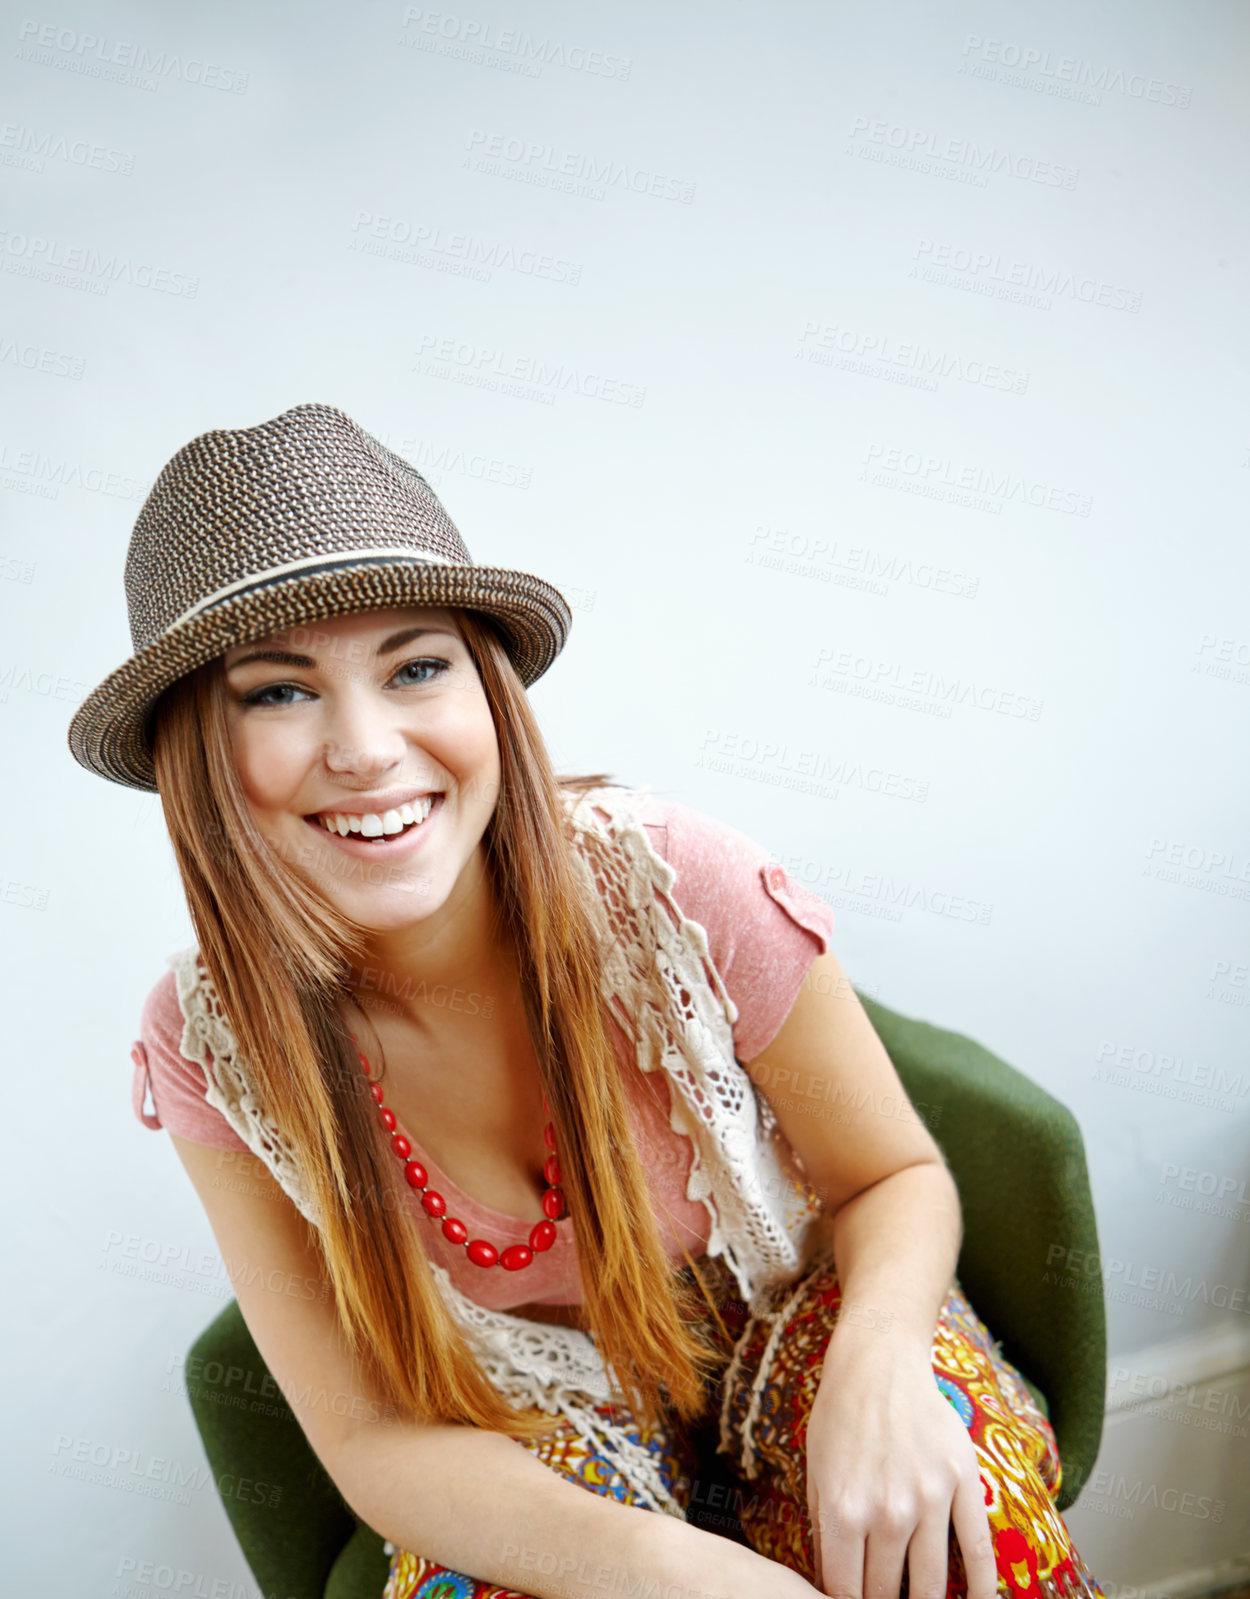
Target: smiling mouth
375	829
375	838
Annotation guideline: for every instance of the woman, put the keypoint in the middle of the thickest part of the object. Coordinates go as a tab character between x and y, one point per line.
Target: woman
609	1236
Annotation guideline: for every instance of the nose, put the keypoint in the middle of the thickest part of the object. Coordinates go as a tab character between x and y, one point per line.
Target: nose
363	731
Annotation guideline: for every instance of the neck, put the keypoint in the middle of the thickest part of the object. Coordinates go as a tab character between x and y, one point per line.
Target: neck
454	963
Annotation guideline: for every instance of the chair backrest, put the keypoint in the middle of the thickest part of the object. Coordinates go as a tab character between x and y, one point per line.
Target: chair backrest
1018	1159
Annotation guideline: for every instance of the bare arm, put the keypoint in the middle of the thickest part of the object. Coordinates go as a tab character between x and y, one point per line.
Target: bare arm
890	1466
477	1502
481	1504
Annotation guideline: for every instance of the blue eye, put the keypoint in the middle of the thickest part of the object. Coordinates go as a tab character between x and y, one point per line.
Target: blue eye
435	667
257	696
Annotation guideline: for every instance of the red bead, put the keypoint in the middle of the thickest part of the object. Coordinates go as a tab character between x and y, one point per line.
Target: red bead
515	1256
416	1174
376	1090
433	1204
481	1253
401	1146
553	1203
388	1119
542	1236
549	1136
455	1230
551	1170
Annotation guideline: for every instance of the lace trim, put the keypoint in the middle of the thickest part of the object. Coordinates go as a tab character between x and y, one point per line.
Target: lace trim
532	1363
228	1089
742	1169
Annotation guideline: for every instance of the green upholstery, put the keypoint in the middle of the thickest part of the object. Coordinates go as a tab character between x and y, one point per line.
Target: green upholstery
1017	1156
309	1544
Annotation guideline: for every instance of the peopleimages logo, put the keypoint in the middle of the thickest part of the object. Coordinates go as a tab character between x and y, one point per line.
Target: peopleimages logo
426	243
979	162
40	147
474	40
890	466
79	266
1121	1497
1086	1264
856	565
490	366
1075	72
37	358
925	688
854	350
501	152
1028	282
1169	1076
55	473
94	56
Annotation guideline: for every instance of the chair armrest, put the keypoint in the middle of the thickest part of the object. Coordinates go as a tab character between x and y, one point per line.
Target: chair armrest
361	1570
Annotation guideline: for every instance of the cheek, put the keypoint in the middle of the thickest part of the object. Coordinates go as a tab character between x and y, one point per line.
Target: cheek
267	766
466	730
486	742
471	751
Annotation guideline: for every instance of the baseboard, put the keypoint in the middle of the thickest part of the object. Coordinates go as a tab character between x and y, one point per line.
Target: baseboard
1162	1373
1163	1515
1206	1582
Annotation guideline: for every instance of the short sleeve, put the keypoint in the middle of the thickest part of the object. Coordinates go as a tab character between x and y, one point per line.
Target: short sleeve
763	930
176	1085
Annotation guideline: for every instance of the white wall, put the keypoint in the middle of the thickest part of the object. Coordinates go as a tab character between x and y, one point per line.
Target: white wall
940	366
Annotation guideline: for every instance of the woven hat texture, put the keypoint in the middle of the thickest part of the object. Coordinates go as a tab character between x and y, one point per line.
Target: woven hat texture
251	530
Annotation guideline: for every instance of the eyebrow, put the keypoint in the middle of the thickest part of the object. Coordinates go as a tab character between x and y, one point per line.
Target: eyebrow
289	658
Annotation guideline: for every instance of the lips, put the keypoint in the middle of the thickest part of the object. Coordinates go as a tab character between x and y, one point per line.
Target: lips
386	846
370	820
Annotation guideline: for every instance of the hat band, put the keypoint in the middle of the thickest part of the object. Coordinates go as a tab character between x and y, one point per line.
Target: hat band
308	563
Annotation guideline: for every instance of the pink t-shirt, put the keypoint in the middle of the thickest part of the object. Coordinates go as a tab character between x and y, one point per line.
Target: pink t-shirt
763	934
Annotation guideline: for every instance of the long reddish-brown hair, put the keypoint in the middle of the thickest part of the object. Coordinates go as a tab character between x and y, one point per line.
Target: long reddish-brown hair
278	952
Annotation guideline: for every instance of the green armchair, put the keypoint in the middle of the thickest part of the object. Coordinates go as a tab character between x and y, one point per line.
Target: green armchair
1018	1159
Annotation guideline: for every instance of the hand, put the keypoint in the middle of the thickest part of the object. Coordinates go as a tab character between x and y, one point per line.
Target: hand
890	1467
682	1559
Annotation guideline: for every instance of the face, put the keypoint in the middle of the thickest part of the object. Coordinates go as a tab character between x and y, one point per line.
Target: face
351	721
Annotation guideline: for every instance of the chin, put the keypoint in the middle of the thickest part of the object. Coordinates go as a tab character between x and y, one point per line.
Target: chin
384	906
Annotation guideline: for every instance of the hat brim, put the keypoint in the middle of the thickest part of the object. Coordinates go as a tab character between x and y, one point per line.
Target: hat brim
109	734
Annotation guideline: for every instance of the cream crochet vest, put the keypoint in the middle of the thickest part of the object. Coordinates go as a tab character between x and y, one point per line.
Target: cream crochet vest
764	1217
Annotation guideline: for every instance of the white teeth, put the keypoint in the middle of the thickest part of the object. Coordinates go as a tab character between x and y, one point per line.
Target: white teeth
371	825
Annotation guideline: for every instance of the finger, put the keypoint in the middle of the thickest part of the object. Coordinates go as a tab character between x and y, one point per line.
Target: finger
815	1516
928	1557
885	1553
841	1568
971	1521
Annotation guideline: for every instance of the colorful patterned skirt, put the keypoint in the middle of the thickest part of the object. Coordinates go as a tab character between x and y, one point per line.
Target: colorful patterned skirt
763	1396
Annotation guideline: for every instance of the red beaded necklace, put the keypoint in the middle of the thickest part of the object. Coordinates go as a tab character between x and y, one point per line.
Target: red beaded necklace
515	1256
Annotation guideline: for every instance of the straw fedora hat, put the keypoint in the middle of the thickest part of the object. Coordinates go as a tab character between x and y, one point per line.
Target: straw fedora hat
251	530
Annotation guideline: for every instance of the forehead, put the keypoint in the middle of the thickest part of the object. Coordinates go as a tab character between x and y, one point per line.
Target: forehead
369	625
